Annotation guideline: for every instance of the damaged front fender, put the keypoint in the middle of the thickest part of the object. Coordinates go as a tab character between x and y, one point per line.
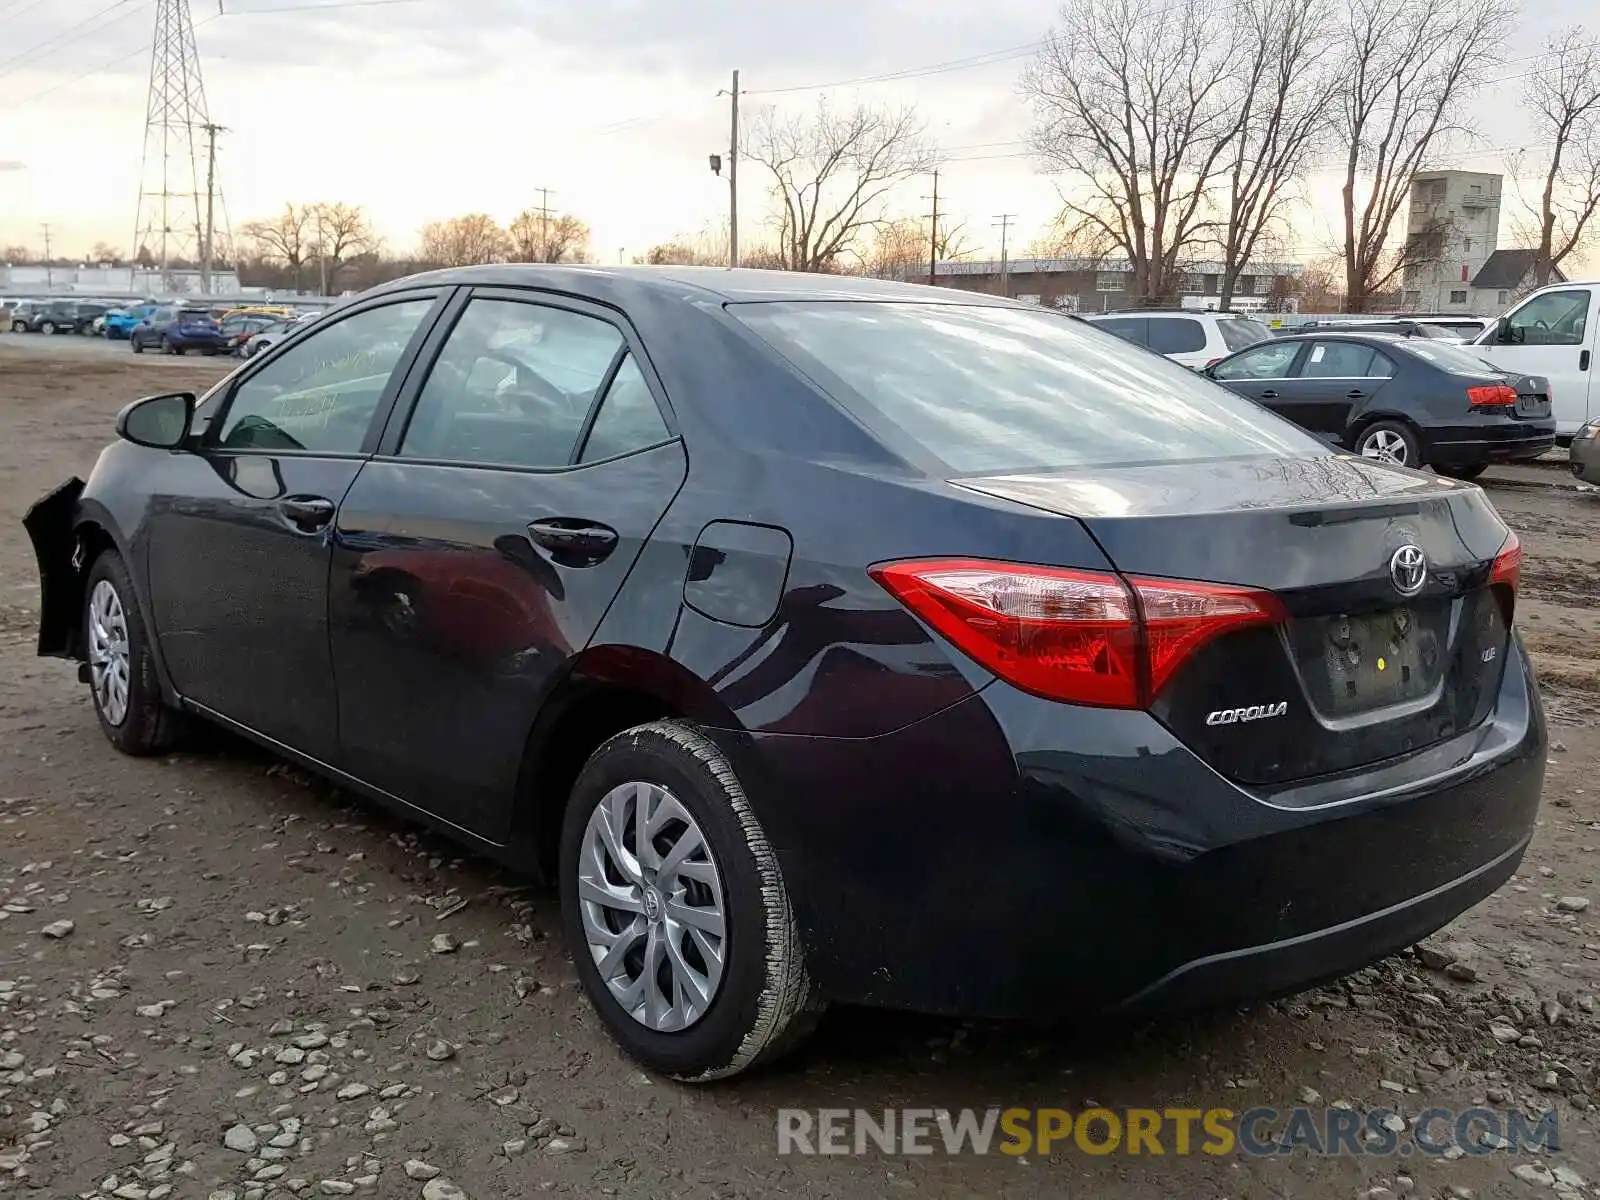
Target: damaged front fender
51	524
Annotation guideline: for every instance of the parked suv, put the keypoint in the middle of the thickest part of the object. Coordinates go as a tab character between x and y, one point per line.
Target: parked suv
178	330
1195	339
47	316
22	314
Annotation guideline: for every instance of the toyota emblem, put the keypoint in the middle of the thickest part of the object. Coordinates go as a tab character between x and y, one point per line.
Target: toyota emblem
1408	570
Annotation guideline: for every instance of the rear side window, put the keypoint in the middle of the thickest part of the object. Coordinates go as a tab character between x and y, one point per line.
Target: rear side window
1237	334
628	419
1176	335
1338	360
1129	329
1458	360
985	389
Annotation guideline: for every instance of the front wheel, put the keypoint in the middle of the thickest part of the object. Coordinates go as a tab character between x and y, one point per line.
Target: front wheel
1390	442
19	327
138	346
675	908
47	328
122	670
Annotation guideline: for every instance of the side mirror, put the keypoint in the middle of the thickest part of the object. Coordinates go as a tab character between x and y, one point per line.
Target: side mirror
1502	331
160	422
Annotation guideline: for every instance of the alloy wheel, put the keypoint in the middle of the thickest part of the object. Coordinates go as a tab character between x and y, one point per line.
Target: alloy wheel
652	903
1385	445
108	652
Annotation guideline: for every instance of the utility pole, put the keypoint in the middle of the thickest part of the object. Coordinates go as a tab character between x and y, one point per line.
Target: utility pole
733	176
208	249
933	234
1003	223
544	223
49	274
322	256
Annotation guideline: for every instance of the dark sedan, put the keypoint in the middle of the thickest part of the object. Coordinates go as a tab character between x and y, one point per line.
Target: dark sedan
825	639
1414	402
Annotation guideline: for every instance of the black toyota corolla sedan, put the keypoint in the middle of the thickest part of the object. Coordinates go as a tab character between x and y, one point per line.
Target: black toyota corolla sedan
825	639
1412	401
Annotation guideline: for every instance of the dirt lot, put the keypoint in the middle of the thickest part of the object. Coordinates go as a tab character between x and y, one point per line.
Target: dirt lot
251	1004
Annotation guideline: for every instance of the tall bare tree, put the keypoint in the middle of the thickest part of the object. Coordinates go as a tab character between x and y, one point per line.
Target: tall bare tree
1134	102
1563	99
541	237
286	238
1406	71
345	230
832	173
1284	86
463	241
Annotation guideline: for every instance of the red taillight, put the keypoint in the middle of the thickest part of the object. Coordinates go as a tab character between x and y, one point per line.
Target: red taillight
1492	394
1085	637
1507	567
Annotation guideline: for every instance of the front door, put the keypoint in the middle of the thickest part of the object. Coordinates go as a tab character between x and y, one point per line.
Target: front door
476	555
238	553
1262	373
1554	334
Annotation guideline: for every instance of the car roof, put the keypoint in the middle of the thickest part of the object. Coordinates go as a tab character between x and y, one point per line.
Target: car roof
742	284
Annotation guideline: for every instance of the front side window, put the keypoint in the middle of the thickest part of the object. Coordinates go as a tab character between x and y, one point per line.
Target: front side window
985	389
512	386
321	393
1553	319
1265	362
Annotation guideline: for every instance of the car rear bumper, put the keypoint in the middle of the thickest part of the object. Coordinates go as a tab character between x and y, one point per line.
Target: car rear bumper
1012	857
1504	441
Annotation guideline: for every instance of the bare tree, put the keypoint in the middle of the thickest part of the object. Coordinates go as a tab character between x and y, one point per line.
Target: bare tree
344	230
16	255
463	241
286	238
1563	99
832	173
1283	91
538	236
1406	71
1134	101
105	252
900	249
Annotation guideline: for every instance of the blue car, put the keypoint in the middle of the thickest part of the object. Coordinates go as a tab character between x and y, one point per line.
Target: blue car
177	331
120	323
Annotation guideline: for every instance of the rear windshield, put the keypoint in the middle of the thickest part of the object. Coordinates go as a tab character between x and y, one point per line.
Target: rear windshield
1458	360
1238	333
986	389
194	314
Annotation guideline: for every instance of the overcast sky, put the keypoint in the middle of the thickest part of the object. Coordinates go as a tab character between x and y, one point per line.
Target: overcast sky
433	108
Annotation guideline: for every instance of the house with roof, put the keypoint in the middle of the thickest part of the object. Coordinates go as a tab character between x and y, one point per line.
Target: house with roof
1505	277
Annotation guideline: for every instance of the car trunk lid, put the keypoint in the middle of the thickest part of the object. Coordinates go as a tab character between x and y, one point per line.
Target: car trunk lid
1393	640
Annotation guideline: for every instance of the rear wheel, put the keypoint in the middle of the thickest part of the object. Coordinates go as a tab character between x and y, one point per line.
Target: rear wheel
1471	472
47	327
1390	442
19	327
138	346
168	346
122	670
675	909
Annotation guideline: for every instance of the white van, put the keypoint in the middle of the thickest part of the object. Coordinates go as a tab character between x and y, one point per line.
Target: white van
1555	332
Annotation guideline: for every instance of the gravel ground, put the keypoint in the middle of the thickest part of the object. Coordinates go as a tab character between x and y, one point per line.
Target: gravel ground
220	978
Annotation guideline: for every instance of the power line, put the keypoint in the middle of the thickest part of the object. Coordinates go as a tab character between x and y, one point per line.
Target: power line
62	39
971	62
291	8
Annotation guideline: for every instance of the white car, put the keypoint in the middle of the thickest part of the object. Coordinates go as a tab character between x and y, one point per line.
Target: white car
1555	332
1195	339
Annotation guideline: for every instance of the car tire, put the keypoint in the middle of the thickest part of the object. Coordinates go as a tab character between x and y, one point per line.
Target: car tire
138	346
19	327
122	670
1391	442
1467	473
47	328
168	346
762	1004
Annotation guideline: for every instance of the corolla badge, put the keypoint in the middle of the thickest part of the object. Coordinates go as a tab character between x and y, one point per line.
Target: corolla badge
1408	570
1254	712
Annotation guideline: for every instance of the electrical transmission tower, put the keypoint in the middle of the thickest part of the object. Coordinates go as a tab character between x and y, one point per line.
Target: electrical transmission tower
177	176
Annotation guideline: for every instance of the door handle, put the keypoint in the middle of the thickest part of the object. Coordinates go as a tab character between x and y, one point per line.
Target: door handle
1269	394
1583	360
574	541
1354	394
306	513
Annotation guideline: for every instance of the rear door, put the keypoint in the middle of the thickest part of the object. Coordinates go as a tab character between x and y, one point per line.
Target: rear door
1553	334
1335	377
478	551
